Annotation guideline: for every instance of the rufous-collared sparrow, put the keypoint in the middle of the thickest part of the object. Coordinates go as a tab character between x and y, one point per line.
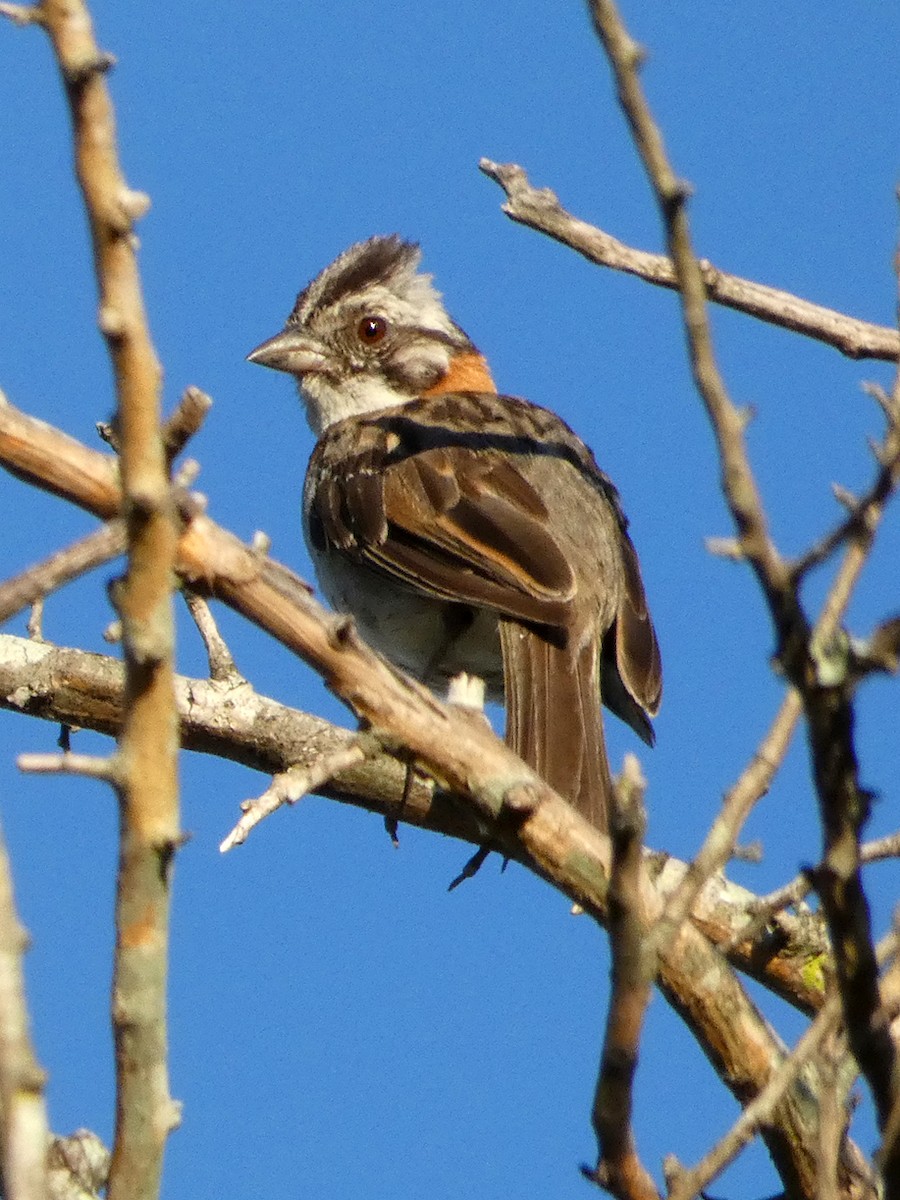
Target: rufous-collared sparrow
466	531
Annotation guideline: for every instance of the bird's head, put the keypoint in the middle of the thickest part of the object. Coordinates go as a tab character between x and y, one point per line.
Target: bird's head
371	332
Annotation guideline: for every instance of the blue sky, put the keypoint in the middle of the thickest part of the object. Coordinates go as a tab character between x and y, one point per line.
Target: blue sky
342	1027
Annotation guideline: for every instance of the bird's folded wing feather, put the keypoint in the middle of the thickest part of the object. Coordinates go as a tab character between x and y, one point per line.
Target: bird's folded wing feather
637	650
452	522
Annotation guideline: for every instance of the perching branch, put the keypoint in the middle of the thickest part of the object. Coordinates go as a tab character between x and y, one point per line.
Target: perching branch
231	720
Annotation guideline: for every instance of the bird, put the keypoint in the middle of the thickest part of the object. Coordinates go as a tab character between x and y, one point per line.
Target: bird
466	531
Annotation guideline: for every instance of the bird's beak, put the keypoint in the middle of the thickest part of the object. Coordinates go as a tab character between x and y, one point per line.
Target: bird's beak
292	351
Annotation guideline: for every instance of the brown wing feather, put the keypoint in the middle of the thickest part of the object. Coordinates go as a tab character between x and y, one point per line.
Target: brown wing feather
455	522
637	654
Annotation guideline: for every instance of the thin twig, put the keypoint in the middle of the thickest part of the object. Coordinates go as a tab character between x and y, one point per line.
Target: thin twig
289	787
89	766
688	1183
23	14
185	421
539	209
865	511
23	1113
61	568
767	907
738	803
833	1117
221	663
35	623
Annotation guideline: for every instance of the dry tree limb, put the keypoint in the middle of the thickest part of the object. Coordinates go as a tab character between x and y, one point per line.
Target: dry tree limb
525	816
77	1166
864	512
685	1184
185	421
87	766
23	1113
289	787
23	14
147	784
827	678
221	664
619	1169
231	720
719	842
54	572
828	705
766	908
540	209
755	780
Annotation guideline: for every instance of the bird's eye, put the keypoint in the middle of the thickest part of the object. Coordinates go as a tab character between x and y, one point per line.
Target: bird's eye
371	330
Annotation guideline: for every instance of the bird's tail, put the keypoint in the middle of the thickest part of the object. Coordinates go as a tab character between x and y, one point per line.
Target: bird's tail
553	717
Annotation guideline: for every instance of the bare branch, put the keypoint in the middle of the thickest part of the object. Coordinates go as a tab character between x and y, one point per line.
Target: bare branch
230	719
289	787
719	842
147	786
221	664
864	512
619	1169
687	1184
89	766
45	577
23	1114
23	14
36	619
185	421
827	701
539	209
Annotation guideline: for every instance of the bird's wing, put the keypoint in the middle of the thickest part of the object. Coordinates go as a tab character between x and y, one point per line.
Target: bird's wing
632	666
448	513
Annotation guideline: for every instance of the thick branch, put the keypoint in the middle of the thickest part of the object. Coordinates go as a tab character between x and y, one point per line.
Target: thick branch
231	720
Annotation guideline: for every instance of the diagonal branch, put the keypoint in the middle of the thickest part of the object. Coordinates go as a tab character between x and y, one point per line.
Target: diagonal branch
539	209
36	582
228	718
